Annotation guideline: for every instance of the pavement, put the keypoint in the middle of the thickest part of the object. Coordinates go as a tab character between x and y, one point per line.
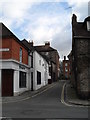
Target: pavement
70	95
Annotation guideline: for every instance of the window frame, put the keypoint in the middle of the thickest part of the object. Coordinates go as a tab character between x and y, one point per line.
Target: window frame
22	79
88	26
38	78
20	55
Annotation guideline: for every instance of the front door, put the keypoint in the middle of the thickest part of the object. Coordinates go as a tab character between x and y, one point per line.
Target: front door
7	82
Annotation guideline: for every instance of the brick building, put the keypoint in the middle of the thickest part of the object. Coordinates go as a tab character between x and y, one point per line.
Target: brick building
14	67
80	56
66	68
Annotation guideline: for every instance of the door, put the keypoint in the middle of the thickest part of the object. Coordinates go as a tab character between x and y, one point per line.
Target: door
7	82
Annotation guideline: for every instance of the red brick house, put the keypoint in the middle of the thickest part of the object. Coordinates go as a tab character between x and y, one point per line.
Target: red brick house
66	68
13	63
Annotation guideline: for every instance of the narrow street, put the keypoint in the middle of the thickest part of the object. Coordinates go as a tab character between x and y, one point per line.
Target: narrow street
45	105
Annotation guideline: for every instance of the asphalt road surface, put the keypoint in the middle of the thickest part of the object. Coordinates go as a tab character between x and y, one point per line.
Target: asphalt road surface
45	105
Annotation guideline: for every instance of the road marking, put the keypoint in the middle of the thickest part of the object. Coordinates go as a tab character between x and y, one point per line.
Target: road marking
31	96
67	104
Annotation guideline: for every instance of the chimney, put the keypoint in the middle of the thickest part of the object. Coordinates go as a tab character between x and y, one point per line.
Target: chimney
64	57
74	19
47	44
31	43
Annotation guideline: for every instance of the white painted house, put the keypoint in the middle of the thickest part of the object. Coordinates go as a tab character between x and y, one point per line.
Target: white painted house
39	67
39	70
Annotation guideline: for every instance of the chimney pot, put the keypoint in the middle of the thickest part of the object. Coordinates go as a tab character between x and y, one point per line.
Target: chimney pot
47	44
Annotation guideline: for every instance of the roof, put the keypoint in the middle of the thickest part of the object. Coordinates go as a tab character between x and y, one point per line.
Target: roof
80	29
26	43
6	33
43	48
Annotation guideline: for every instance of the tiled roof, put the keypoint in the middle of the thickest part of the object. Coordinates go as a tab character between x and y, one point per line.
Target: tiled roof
6	33
32	48
43	48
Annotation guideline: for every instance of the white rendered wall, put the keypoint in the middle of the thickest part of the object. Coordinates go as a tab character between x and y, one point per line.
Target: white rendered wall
40	68
10	64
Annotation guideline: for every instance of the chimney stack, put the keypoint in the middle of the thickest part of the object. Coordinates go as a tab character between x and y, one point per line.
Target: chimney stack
47	44
74	19
31	43
64	57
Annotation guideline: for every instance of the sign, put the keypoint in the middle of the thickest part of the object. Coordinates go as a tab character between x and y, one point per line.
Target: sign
21	67
4	49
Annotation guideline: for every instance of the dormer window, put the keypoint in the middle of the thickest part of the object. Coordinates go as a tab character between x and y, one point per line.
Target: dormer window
88	25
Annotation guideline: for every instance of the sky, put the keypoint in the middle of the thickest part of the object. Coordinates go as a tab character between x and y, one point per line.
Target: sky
44	20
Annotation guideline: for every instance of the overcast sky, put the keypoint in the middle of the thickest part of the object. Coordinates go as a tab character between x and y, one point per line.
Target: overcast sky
43	20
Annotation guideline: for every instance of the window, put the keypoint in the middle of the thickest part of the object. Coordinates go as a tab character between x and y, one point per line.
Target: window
88	25
38	78
50	70
66	70
22	79
39	62
66	64
20	54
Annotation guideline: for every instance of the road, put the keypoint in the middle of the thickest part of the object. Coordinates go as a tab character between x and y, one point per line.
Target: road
45	105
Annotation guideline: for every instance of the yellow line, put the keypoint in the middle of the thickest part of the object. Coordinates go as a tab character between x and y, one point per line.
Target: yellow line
30	96
63	101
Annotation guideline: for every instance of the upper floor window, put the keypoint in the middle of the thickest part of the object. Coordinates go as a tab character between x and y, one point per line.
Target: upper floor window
20	54
88	25
66	70
66	64
39	62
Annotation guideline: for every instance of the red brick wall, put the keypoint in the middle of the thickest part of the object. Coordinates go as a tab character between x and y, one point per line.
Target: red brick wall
14	48
15	52
67	67
6	43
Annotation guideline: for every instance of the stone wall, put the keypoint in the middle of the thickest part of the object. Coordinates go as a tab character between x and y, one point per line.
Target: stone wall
82	67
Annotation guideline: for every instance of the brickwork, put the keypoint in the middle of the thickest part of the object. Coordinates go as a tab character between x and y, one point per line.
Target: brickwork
66	69
14	48
6	43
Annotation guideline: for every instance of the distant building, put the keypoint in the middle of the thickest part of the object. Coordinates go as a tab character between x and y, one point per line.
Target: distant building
80	56
66	68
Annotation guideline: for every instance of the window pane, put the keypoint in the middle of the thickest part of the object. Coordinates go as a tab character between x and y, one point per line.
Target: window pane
38	78
22	79
20	54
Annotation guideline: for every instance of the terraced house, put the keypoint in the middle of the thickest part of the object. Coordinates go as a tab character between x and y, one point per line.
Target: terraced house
20	68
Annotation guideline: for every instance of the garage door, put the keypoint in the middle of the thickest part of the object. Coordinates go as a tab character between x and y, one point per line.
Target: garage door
7	82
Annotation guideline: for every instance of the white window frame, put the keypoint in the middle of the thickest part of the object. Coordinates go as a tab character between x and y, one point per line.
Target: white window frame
20	54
